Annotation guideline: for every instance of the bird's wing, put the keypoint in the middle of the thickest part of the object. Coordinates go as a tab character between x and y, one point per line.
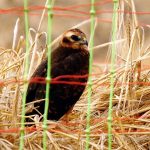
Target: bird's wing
69	65
39	72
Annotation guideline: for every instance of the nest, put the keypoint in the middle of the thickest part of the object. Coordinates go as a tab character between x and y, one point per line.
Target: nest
130	103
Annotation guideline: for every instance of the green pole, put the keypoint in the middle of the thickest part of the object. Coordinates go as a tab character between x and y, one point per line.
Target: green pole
91	46
21	146
113	56
48	78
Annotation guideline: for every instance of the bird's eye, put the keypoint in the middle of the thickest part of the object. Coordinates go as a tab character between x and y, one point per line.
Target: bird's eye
76	38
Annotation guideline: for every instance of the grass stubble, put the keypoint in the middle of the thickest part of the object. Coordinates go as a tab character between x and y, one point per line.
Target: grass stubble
131	101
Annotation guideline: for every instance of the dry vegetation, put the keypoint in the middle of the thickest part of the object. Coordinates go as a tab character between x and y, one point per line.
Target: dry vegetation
131	101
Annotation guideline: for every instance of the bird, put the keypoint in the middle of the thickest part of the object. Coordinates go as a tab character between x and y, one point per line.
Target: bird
69	58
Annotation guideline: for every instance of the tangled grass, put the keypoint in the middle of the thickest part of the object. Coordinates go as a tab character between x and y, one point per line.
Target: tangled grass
131	100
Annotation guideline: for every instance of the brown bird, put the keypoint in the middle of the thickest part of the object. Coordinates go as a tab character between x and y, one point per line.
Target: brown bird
71	58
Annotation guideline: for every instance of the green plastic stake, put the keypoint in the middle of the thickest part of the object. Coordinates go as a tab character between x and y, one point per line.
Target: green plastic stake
21	146
48	78
91	46
113	56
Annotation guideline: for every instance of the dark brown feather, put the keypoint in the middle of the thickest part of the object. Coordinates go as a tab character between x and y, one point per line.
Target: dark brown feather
65	61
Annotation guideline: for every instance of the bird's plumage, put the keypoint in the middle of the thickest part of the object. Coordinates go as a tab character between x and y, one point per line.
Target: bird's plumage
71	57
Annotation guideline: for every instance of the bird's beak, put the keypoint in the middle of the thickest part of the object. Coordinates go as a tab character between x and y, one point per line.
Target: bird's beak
84	42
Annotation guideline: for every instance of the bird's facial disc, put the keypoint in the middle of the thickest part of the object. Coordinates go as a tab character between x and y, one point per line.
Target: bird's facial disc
74	39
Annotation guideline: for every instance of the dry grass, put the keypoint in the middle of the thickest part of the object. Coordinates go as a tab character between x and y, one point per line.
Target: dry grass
131	102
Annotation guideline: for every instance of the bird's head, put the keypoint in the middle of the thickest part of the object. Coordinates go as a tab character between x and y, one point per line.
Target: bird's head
75	39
